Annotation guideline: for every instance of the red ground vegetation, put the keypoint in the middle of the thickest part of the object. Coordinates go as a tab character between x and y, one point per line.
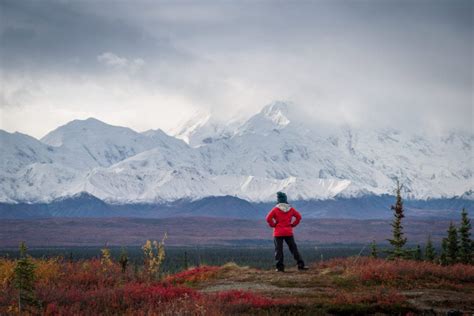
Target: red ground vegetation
403	273
87	287
193	275
351	285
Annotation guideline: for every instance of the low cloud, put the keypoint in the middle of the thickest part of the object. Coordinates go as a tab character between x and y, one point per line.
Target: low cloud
111	60
401	64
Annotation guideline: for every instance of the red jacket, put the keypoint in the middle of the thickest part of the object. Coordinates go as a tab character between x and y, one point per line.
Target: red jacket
280	218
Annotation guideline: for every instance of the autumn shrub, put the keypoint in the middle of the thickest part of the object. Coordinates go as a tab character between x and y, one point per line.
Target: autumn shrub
84	287
48	270
7	268
154	255
193	275
136	293
105	258
410	273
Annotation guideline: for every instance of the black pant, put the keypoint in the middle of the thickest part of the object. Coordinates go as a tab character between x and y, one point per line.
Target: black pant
290	241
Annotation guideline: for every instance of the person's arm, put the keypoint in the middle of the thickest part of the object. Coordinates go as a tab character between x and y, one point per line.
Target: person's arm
297	216
270	219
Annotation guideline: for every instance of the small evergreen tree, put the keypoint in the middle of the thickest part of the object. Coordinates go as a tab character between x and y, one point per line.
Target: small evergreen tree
374	252
123	260
465	246
24	280
452	245
417	255
398	241
443	258
430	252
186	264
135	269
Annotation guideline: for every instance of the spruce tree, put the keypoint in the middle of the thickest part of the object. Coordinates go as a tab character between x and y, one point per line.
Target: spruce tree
135	269
443	258
373	252
465	245
186	264
452	245
24	280
398	241
417	255
123	260
430	252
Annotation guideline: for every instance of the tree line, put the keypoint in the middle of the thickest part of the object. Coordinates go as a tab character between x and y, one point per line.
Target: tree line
456	247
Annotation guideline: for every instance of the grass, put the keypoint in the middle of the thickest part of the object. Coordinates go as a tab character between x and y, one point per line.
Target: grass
337	286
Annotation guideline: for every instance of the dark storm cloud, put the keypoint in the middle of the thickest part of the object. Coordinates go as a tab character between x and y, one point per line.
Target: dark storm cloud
402	63
38	35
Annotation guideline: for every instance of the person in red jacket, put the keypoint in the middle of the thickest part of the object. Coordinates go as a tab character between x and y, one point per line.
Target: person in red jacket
281	219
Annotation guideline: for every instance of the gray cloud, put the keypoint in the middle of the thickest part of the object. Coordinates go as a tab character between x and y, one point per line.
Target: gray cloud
401	63
53	35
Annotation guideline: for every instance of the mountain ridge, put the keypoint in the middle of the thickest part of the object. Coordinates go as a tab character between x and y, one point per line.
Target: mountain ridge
271	151
85	205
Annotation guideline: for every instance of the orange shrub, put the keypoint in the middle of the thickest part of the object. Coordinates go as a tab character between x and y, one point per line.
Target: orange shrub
6	271
47	270
6	286
193	275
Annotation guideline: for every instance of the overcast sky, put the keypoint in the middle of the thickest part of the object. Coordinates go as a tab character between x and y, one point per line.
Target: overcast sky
153	64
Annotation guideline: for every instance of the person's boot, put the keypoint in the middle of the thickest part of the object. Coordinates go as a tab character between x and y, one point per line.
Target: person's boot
302	267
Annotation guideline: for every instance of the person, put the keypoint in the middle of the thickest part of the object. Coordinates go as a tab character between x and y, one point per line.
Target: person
280	218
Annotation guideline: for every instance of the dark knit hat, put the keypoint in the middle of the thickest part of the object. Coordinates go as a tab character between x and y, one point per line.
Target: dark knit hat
281	197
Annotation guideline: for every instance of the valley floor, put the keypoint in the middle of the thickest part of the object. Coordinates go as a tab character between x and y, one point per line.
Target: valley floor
186	231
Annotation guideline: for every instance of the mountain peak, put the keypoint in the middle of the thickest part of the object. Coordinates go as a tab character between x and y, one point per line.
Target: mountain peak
187	129
277	112
275	107
88	122
76	129
273	116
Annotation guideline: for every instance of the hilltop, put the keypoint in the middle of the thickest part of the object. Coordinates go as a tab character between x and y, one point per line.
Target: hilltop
356	285
352	285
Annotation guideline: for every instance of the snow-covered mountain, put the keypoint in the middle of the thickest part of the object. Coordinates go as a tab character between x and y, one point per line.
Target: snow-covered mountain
204	129
101	144
273	150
